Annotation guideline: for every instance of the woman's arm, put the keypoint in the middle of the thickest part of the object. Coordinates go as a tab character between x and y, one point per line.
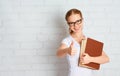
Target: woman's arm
62	50
100	59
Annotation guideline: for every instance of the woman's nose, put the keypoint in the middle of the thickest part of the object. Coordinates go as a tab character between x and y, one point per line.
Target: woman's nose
76	25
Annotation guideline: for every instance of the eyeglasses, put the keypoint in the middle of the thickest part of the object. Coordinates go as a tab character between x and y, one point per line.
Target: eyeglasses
76	22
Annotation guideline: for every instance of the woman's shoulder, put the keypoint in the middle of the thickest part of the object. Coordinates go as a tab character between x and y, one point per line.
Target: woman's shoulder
67	40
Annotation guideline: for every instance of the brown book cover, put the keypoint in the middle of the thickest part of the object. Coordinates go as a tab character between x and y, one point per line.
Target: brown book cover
93	48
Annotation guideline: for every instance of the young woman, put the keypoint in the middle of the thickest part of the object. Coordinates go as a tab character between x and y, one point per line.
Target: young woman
70	46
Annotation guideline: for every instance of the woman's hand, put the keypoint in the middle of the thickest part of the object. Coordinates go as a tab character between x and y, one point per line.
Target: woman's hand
72	50
85	58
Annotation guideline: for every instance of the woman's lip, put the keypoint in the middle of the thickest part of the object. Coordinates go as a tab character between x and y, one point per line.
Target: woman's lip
76	29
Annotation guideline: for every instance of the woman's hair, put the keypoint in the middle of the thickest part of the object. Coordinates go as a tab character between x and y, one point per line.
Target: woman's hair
73	11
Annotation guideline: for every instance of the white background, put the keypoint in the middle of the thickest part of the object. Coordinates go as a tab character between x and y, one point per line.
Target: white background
31	31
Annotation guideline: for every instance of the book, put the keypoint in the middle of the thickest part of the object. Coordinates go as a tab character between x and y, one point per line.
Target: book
93	48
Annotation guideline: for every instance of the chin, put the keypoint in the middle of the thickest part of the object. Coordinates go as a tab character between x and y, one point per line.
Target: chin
76	31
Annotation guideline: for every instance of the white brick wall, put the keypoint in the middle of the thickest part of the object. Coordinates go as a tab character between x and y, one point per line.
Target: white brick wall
31	31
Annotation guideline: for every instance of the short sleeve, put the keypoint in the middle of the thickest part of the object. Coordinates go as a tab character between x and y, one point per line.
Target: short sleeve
67	41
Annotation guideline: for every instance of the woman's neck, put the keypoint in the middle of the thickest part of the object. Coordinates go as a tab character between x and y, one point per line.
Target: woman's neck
78	37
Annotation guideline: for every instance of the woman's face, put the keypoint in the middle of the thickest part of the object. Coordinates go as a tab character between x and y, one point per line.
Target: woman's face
75	23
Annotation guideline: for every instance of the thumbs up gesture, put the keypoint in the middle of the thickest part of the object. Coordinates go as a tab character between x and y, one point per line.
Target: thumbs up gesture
72	51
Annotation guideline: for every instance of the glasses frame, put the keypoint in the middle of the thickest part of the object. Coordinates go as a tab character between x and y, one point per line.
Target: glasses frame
76	22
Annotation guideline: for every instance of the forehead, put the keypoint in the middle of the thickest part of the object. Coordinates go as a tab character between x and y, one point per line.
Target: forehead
73	17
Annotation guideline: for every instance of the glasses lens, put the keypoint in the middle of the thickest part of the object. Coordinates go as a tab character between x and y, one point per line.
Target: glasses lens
79	21
76	22
71	23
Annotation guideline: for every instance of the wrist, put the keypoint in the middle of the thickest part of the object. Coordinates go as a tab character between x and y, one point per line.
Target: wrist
91	59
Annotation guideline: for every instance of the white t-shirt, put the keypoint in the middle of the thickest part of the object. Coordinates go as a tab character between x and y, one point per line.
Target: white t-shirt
74	69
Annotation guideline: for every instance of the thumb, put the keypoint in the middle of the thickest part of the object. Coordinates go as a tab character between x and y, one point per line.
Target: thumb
71	45
84	54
